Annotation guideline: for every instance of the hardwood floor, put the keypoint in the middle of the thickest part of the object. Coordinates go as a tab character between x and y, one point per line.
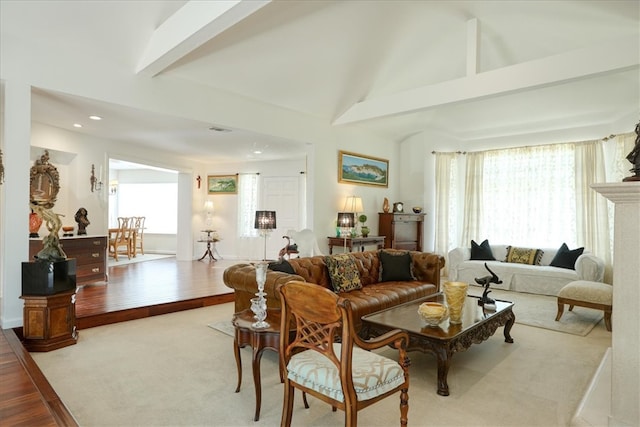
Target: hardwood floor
133	291
150	288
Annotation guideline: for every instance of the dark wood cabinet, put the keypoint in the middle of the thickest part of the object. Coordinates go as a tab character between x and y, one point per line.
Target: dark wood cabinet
90	253
401	230
49	321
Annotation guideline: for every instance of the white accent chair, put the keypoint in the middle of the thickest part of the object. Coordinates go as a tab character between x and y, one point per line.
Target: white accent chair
306	241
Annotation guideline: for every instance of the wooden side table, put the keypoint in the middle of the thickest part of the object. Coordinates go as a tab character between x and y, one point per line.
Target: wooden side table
259	340
350	242
49	321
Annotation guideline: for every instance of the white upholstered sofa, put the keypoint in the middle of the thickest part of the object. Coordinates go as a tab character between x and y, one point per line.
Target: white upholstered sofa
538	279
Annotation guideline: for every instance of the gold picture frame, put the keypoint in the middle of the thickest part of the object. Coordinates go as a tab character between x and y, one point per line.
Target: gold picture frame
222	184
359	169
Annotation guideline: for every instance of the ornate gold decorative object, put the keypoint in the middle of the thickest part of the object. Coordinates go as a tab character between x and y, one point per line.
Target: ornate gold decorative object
45	182
456	294
44	187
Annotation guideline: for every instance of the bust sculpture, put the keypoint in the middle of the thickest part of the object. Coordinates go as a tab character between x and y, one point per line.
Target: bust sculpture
82	220
634	158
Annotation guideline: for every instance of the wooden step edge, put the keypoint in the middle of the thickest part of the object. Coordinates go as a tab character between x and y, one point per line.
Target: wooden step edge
51	399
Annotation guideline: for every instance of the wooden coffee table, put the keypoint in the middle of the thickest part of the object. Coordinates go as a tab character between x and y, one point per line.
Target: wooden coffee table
445	339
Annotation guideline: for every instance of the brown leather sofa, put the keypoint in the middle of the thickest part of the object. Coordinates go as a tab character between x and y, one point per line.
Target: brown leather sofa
373	296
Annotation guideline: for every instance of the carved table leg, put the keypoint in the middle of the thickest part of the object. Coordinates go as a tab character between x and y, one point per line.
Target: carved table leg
236	352
507	327
444	360
257	355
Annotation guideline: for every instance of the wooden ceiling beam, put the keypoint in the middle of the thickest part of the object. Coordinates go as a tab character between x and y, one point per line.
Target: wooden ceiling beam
606	58
192	25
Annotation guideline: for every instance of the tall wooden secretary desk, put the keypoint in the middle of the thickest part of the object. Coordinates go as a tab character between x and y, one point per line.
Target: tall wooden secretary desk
401	230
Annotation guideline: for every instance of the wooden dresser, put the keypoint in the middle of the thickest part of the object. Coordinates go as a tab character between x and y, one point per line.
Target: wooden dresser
401	230
90	253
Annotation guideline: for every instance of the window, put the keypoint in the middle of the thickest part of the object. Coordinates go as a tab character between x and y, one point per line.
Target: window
158	202
529	196
247	204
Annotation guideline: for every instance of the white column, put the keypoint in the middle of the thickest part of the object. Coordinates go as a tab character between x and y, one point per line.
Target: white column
184	244
625	340
14	223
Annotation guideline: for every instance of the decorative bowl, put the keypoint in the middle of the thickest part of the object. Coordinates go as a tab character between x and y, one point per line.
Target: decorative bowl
433	313
417	209
67	228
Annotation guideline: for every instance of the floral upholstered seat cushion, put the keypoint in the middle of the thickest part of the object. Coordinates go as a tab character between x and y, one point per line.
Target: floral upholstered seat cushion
343	272
372	374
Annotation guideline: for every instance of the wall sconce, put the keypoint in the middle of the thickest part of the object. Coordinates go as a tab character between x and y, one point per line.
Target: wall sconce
265	222
96	183
113	187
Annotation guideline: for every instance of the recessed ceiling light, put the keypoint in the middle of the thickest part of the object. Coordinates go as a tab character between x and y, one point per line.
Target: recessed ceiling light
257	152
77	125
95	117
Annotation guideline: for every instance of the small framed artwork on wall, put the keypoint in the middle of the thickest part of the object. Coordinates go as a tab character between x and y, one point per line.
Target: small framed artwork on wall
222	184
364	170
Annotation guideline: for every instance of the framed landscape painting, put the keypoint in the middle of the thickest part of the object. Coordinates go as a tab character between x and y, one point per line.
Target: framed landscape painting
222	184
364	170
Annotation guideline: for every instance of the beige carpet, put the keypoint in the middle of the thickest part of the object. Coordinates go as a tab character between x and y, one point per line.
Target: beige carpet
540	311
174	370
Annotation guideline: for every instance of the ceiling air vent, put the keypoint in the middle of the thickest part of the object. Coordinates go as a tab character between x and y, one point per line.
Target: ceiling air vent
219	129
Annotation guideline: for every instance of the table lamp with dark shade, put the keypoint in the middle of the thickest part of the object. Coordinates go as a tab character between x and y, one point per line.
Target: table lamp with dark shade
346	221
265	222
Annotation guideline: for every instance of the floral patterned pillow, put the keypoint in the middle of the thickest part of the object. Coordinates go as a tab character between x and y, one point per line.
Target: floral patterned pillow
524	255
343	272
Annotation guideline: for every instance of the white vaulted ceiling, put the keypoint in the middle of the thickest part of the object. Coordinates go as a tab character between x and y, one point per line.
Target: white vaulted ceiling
470	70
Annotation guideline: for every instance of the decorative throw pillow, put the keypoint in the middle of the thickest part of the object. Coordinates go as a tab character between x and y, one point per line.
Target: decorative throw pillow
282	265
343	272
395	266
482	251
566	258
524	255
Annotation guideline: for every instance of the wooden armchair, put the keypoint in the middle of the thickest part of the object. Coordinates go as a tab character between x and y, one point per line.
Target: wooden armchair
328	360
138	234
121	237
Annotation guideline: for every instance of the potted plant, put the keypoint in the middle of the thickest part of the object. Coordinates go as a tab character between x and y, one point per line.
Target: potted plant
363	228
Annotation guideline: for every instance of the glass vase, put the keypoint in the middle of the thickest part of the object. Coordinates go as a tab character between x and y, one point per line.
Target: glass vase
259	304
455	294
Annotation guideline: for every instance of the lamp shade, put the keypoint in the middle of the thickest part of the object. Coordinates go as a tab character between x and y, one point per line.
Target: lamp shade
346	219
265	220
208	206
353	204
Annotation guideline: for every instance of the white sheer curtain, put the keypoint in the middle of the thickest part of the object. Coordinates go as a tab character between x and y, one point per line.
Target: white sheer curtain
592	216
529	197
473	199
446	204
248	185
